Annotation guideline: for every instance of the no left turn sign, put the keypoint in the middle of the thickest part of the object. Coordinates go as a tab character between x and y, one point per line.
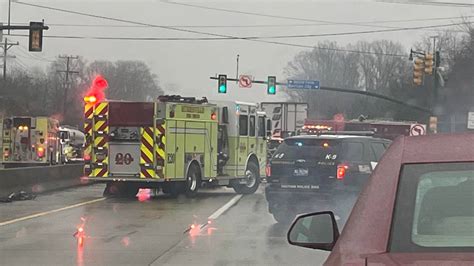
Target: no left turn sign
417	130
245	81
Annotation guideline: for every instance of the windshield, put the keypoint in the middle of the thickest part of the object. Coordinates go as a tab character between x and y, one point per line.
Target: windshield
437	200
179	132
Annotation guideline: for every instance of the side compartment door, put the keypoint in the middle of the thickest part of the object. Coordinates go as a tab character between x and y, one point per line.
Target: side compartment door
243	142
261	143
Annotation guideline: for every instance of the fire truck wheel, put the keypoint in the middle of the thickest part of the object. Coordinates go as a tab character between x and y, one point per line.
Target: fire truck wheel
253	180
193	181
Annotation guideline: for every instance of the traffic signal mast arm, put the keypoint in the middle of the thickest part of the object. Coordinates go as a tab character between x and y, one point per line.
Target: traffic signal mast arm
366	93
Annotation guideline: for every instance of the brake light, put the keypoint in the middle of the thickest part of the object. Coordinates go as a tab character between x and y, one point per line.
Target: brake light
87	157
341	171
268	170
40	152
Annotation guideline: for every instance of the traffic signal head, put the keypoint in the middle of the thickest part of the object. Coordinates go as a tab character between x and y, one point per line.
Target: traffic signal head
429	64
418	67
222	84
36	37
271	85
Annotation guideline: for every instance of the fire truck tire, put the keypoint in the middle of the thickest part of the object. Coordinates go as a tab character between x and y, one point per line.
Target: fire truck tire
253	180
193	181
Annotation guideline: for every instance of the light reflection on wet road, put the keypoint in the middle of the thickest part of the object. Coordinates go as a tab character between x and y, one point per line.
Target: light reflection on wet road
147	231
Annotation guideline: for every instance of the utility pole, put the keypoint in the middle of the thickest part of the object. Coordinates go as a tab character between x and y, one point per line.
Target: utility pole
237	73
6	46
68	71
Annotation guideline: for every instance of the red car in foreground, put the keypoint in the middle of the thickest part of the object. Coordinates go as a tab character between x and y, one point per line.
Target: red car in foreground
416	209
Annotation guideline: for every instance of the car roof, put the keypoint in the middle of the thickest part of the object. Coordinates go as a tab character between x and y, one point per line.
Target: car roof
438	148
335	137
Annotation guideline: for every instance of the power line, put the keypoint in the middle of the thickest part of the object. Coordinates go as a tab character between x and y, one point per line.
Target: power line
250	26
200	32
244	37
430	3
269	16
24	50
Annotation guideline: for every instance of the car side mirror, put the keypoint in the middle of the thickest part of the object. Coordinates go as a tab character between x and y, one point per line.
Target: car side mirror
314	230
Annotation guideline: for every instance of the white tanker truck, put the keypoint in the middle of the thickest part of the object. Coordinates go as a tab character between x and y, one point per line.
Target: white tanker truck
72	144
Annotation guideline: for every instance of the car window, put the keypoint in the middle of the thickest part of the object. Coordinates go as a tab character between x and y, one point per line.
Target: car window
434	209
378	149
243	125
252	126
261	126
353	151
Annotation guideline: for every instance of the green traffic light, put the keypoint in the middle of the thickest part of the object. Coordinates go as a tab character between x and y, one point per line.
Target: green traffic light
222	89
271	90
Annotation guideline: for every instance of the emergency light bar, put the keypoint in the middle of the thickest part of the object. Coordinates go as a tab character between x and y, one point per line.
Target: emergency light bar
326	132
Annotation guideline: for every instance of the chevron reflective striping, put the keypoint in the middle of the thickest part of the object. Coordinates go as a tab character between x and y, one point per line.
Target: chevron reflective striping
102	108
146	153
100	141
88	121
100	172
88	111
160	141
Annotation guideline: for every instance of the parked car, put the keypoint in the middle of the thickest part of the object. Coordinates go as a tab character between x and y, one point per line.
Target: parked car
310	168
416	209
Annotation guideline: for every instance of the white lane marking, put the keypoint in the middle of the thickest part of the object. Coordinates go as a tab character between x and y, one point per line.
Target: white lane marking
50	212
224	208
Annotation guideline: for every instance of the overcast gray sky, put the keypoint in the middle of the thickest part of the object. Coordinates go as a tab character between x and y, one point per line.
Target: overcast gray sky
187	65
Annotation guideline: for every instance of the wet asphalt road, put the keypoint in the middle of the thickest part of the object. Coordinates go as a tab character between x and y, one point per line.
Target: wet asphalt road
154	231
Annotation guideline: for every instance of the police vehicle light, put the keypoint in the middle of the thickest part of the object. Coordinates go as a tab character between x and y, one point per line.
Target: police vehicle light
325	144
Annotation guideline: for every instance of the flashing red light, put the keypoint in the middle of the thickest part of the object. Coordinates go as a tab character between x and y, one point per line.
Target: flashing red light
341	171
80	229
193	226
213	116
87	157
40	152
96	94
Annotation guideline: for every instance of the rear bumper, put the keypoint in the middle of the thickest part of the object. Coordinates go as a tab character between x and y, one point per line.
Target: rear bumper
125	179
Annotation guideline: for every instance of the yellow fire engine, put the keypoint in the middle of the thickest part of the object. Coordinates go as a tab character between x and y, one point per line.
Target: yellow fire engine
30	141
176	144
